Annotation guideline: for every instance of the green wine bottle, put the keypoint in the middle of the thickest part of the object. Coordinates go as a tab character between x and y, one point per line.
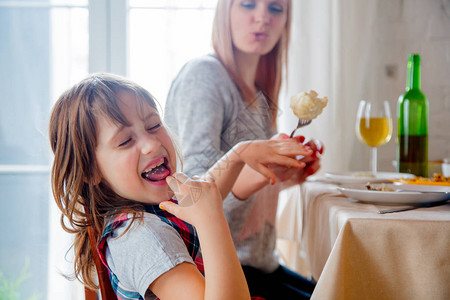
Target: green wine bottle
412	114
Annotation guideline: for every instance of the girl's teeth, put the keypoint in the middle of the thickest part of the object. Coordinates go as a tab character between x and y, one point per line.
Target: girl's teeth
160	163
156	174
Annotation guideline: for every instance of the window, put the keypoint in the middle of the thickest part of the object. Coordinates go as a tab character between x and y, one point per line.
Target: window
46	46
42	52
163	35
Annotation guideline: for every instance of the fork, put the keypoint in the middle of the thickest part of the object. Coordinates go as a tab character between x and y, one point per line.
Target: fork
301	123
423	205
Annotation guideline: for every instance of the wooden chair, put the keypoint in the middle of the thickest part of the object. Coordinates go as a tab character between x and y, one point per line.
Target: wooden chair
106	290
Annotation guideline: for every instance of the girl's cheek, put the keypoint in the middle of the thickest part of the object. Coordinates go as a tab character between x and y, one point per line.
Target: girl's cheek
128	159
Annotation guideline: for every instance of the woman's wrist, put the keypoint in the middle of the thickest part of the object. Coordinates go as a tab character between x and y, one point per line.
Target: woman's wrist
234	155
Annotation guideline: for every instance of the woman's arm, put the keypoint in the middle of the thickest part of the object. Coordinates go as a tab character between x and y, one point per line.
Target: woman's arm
256	156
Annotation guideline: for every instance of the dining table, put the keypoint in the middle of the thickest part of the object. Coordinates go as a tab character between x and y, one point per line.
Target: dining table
355	252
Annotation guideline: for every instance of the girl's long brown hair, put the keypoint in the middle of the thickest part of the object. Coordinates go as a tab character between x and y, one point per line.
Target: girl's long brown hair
269	70
83	198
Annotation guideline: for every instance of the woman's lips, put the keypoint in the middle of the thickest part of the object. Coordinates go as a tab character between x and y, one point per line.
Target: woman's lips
260	36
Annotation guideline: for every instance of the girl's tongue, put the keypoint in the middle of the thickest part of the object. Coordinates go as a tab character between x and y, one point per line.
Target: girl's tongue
157	174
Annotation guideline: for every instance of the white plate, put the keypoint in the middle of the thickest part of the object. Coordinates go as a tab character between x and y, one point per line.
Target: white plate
422	187
366	176
398	196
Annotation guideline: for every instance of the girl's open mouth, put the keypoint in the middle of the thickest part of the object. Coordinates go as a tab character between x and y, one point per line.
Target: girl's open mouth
158	173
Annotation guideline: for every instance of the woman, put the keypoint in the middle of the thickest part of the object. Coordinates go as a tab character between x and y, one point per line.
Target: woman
219	100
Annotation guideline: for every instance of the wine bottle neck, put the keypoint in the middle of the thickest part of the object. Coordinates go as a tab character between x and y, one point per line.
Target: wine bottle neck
413	74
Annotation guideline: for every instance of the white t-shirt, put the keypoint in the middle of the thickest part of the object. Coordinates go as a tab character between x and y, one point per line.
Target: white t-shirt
146	251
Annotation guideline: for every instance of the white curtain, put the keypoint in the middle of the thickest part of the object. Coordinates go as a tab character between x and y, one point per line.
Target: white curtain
330	52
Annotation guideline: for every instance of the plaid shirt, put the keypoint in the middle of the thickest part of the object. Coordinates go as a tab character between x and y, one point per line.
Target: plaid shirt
187	233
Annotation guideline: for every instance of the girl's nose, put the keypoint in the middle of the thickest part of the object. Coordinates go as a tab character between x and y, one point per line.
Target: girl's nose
149	143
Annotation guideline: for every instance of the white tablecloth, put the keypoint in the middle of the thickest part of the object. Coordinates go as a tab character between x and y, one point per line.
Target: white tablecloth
356	253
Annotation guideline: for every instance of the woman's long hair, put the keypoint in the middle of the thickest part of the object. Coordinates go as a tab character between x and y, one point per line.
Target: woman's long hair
269	70
83	198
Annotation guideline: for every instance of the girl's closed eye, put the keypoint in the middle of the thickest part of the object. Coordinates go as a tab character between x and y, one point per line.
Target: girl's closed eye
154	127
128	141
125	143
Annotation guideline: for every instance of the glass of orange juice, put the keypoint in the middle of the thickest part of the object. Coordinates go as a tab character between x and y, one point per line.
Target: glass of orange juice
374	126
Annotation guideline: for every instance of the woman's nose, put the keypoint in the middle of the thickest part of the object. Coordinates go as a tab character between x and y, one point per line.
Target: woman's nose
148	143
262	14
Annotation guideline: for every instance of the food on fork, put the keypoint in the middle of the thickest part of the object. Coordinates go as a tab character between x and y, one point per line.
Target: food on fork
308	106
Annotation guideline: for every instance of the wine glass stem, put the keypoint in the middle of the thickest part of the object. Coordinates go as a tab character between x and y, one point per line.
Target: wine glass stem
374	160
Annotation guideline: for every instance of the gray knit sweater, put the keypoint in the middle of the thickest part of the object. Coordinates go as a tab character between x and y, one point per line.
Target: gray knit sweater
208	115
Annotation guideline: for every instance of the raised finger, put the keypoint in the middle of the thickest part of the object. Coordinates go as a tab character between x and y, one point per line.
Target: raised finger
176	181
181	177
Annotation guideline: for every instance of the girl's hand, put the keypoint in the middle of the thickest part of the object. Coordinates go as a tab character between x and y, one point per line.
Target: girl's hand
199	200
260	154
200	204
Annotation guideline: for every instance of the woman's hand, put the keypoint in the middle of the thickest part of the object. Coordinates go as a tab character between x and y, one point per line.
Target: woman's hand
260	154
291	176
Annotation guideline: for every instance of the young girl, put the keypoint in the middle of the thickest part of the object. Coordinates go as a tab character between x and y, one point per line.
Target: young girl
115	170
232	96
